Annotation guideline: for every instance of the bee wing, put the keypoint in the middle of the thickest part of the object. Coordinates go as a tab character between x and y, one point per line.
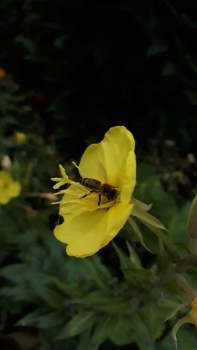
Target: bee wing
102	173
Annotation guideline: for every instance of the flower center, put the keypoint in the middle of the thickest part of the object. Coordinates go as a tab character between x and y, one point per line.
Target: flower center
90	194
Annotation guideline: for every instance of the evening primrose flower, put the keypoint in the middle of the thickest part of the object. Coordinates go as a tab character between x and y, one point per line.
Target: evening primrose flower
8	187
93	216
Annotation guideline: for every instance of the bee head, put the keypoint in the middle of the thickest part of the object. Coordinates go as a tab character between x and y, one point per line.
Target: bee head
113	194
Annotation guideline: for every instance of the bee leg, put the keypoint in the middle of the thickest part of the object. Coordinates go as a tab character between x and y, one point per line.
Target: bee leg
99	199
87	194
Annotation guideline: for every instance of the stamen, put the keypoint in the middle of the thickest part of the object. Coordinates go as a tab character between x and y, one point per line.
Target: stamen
58	184
56	202
80	171
65	176
64	179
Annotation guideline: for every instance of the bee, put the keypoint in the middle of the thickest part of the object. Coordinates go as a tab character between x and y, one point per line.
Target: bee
96	186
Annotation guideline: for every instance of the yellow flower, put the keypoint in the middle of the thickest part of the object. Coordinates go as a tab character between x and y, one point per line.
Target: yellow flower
93	217
8	187
19	138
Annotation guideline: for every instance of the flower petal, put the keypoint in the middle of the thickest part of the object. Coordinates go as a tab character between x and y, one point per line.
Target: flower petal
6	177
83	232
8	187
117	144
128	179
87	232
112	153
14	189
118	215
89	163
4	198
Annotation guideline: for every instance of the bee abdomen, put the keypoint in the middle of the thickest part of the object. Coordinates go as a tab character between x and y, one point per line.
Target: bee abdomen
90	183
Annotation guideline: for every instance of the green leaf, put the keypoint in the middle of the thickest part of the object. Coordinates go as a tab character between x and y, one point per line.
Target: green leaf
152	317
157	47
143	335
19	294
169	69
99	272
103	301
50	297
161	235
125	262
142	214
142	278
79	323
122	333
36	319
177	226
134	257
84	341
162	257
102	330
15	273
138	232
124	259
67	289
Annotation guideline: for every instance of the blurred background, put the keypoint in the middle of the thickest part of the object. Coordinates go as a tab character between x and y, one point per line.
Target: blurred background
69	70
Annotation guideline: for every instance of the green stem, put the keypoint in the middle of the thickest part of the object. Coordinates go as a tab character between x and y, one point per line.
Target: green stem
181	281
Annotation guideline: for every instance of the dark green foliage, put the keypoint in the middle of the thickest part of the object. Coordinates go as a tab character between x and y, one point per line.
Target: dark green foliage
73	69
94	64
82	298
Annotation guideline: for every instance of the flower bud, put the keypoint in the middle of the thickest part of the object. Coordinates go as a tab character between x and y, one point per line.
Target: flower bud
192	227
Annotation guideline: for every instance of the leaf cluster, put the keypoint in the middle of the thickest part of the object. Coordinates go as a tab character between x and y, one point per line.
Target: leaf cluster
86	303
